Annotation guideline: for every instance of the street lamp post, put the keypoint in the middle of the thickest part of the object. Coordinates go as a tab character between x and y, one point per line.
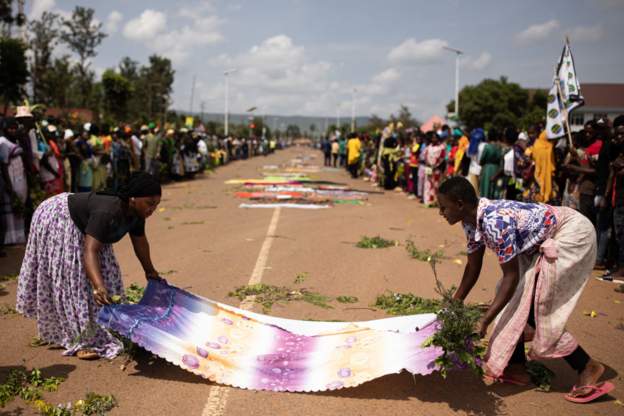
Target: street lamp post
457	53
353	111
338	117
226	113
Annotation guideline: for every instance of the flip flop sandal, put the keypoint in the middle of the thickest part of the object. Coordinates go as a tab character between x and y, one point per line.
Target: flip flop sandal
87	355
596	391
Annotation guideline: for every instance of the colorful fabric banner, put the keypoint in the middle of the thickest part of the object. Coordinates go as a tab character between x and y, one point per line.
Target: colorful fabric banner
244	349
285	205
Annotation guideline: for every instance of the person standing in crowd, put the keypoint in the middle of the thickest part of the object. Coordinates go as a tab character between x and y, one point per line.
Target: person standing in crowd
98	158
544	159
152	151
413	164
137	150
326	149
617	186
475	149
74	158
121	159
63	289
389	160
461	163
342	151
15	186
85	175
335	149
491	161
546	255
354	147
434	171
51	164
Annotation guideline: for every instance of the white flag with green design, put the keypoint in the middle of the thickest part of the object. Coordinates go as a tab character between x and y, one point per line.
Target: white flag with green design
561	101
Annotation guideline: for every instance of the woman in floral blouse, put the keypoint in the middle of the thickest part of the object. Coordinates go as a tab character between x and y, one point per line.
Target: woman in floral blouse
546	254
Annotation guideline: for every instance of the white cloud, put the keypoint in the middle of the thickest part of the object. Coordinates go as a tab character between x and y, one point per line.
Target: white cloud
537	32
146	26
40	6
478	63
277	76
113	21
176	44
411	50
587	33
389	75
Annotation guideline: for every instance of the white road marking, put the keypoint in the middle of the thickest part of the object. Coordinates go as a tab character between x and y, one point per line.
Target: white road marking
217	398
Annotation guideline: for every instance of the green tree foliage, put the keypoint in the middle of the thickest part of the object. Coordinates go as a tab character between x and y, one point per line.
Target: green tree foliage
156	80
60	78
117	91
376	123
82	35
13	70
43	38
499	103
293	131
405	117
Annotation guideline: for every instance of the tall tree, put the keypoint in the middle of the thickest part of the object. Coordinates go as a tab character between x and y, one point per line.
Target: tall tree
376	123
157	80
405	117
117	91
60	78
492	103
43	37
83	35
13	71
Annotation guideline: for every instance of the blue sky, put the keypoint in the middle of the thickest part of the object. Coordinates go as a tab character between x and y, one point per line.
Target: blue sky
305	57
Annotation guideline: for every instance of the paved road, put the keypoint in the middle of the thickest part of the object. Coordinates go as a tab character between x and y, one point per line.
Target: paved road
205	243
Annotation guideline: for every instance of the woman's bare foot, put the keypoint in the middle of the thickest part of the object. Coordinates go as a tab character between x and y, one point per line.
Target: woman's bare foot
518	373
589	377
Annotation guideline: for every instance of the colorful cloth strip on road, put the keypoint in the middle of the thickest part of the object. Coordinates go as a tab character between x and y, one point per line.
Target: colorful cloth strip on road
248	350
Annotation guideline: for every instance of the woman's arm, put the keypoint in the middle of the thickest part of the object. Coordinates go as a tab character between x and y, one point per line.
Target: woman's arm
142	251
471	274
94	271
511	275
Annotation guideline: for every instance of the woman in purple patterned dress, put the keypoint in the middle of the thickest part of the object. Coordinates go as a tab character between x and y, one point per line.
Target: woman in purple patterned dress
69	269
546	254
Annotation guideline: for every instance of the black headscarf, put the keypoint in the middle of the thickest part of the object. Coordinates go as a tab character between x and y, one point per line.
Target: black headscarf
141	184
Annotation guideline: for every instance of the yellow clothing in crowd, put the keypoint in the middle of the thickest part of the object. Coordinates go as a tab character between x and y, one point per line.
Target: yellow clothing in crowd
353	150
544	157
462	146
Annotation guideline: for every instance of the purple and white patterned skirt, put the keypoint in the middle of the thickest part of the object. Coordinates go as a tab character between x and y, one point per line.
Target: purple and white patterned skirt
53	287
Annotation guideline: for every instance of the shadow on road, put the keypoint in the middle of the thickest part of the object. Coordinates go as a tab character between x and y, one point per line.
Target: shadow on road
10	265
147	365
462	391
55	370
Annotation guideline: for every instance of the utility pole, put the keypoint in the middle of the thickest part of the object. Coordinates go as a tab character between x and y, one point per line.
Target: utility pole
192	96
227	104
353	111
457	53
338	117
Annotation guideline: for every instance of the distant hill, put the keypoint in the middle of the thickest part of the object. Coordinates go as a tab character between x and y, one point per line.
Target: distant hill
281	122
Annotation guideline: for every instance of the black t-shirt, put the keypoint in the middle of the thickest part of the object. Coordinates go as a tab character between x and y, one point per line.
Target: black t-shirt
103	217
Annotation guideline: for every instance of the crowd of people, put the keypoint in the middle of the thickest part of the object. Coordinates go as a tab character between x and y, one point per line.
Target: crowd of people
584	173
42	157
